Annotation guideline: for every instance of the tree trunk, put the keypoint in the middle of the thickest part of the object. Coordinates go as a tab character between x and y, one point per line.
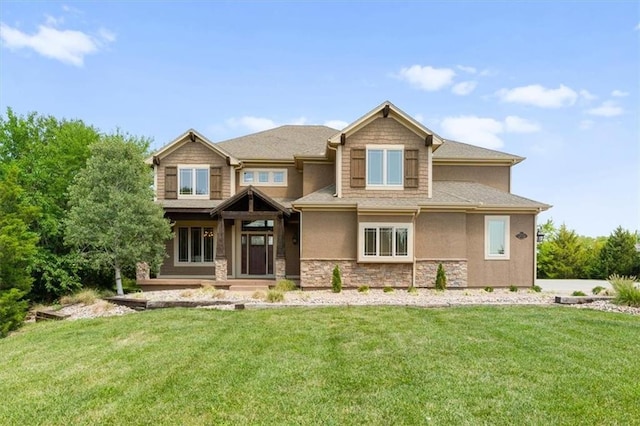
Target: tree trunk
119	290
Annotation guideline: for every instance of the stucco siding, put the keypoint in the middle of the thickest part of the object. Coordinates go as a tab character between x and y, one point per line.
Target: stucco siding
498	177
193	153
441	236
385	131
293	189
329	235
317	176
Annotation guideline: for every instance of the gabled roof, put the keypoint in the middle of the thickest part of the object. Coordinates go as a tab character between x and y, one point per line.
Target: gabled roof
191	135
387	109
446	194
458	151
250	191
282	143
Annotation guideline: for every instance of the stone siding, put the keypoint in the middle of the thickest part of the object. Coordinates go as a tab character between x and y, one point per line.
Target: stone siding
455	270
221	269
280	269
318	273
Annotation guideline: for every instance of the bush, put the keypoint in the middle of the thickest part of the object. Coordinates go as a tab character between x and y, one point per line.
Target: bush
87	297
513	288
363	289
597	290
626	292
488	289
412	290
258	295
536	288
387	289
578	293
275	295
286	285
441	278
13	310
336	280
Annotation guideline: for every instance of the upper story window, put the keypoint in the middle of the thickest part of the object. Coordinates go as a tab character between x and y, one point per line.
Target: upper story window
385	242
264	177
385	167
193	181
496	237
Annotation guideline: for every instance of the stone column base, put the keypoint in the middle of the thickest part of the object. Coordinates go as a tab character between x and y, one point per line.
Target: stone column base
221	269
280	269
142	271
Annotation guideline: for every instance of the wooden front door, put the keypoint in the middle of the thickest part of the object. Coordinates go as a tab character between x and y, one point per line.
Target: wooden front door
257	253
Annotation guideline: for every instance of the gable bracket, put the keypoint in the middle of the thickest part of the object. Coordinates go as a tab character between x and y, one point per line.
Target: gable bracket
192	136
343	138
385	111
156	160
428	141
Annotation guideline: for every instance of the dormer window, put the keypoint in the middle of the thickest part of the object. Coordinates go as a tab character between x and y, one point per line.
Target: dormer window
193	181
385	167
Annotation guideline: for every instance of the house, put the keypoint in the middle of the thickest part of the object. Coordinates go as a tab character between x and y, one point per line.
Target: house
386	199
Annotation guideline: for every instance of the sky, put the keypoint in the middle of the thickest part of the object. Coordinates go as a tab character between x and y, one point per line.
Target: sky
555	82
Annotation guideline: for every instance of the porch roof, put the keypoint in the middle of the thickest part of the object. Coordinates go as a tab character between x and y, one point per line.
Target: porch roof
249	192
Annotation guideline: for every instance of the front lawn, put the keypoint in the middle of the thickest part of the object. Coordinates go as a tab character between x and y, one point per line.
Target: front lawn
364	365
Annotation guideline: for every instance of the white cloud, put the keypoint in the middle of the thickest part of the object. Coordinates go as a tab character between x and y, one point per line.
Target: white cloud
586	124
336	124
464	88
427	78
540	96
619	94
253	124
107	35
607	109
298	121
67	46
485	131
470	70
586	95
516	124
637	27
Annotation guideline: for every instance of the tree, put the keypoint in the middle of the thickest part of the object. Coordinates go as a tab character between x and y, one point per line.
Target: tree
336	280
47	154
441	278
113	221
619	255
17	251
562	255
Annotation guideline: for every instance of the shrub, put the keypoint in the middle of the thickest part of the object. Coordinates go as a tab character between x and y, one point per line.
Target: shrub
387	289
13	310
441	278
286	285
513	288
578	293
129	285
275	295
626	292
336	280
258	295
536	288
488	289
597	290
87	296
363	289
412	290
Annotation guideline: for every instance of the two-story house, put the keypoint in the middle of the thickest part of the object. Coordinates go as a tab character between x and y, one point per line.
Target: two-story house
385	199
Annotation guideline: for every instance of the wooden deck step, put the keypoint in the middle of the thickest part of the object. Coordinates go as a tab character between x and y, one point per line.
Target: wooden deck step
248	287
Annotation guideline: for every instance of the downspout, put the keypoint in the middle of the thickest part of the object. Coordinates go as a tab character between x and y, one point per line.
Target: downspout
430	171
413	271
299	242
338	166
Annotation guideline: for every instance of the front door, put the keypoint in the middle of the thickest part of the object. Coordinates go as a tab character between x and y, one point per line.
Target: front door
256	248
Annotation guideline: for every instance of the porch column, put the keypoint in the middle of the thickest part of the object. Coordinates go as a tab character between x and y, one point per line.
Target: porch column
221	259
280	266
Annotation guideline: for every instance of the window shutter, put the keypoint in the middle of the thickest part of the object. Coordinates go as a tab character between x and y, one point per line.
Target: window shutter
215	183
358	167
410	168
170	183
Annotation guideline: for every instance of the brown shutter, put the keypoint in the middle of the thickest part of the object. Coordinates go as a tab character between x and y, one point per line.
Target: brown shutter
215	183
170	183
358	167
410	168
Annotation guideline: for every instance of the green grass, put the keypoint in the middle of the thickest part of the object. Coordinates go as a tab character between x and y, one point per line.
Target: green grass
366	365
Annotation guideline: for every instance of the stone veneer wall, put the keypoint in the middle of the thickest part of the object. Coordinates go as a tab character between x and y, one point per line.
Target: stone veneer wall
221	269
317	273
455	270
281	268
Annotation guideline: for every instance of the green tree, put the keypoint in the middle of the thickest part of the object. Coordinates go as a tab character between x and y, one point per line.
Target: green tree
47	153
441	278
619	255
17	250
562	255
112	220
336	280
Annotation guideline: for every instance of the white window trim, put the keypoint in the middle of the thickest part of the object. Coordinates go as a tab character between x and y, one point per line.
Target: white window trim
384	148
507	233
271	181
385	259
194	167
176	246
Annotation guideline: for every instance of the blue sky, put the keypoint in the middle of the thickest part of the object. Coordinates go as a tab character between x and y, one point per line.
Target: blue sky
556	82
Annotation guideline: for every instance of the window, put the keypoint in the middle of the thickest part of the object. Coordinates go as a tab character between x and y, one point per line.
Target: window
264	177
384	166
193	181
195	244
496	237
385	242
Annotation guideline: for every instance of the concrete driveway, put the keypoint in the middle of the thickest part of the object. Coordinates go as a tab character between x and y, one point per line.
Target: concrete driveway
569	286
